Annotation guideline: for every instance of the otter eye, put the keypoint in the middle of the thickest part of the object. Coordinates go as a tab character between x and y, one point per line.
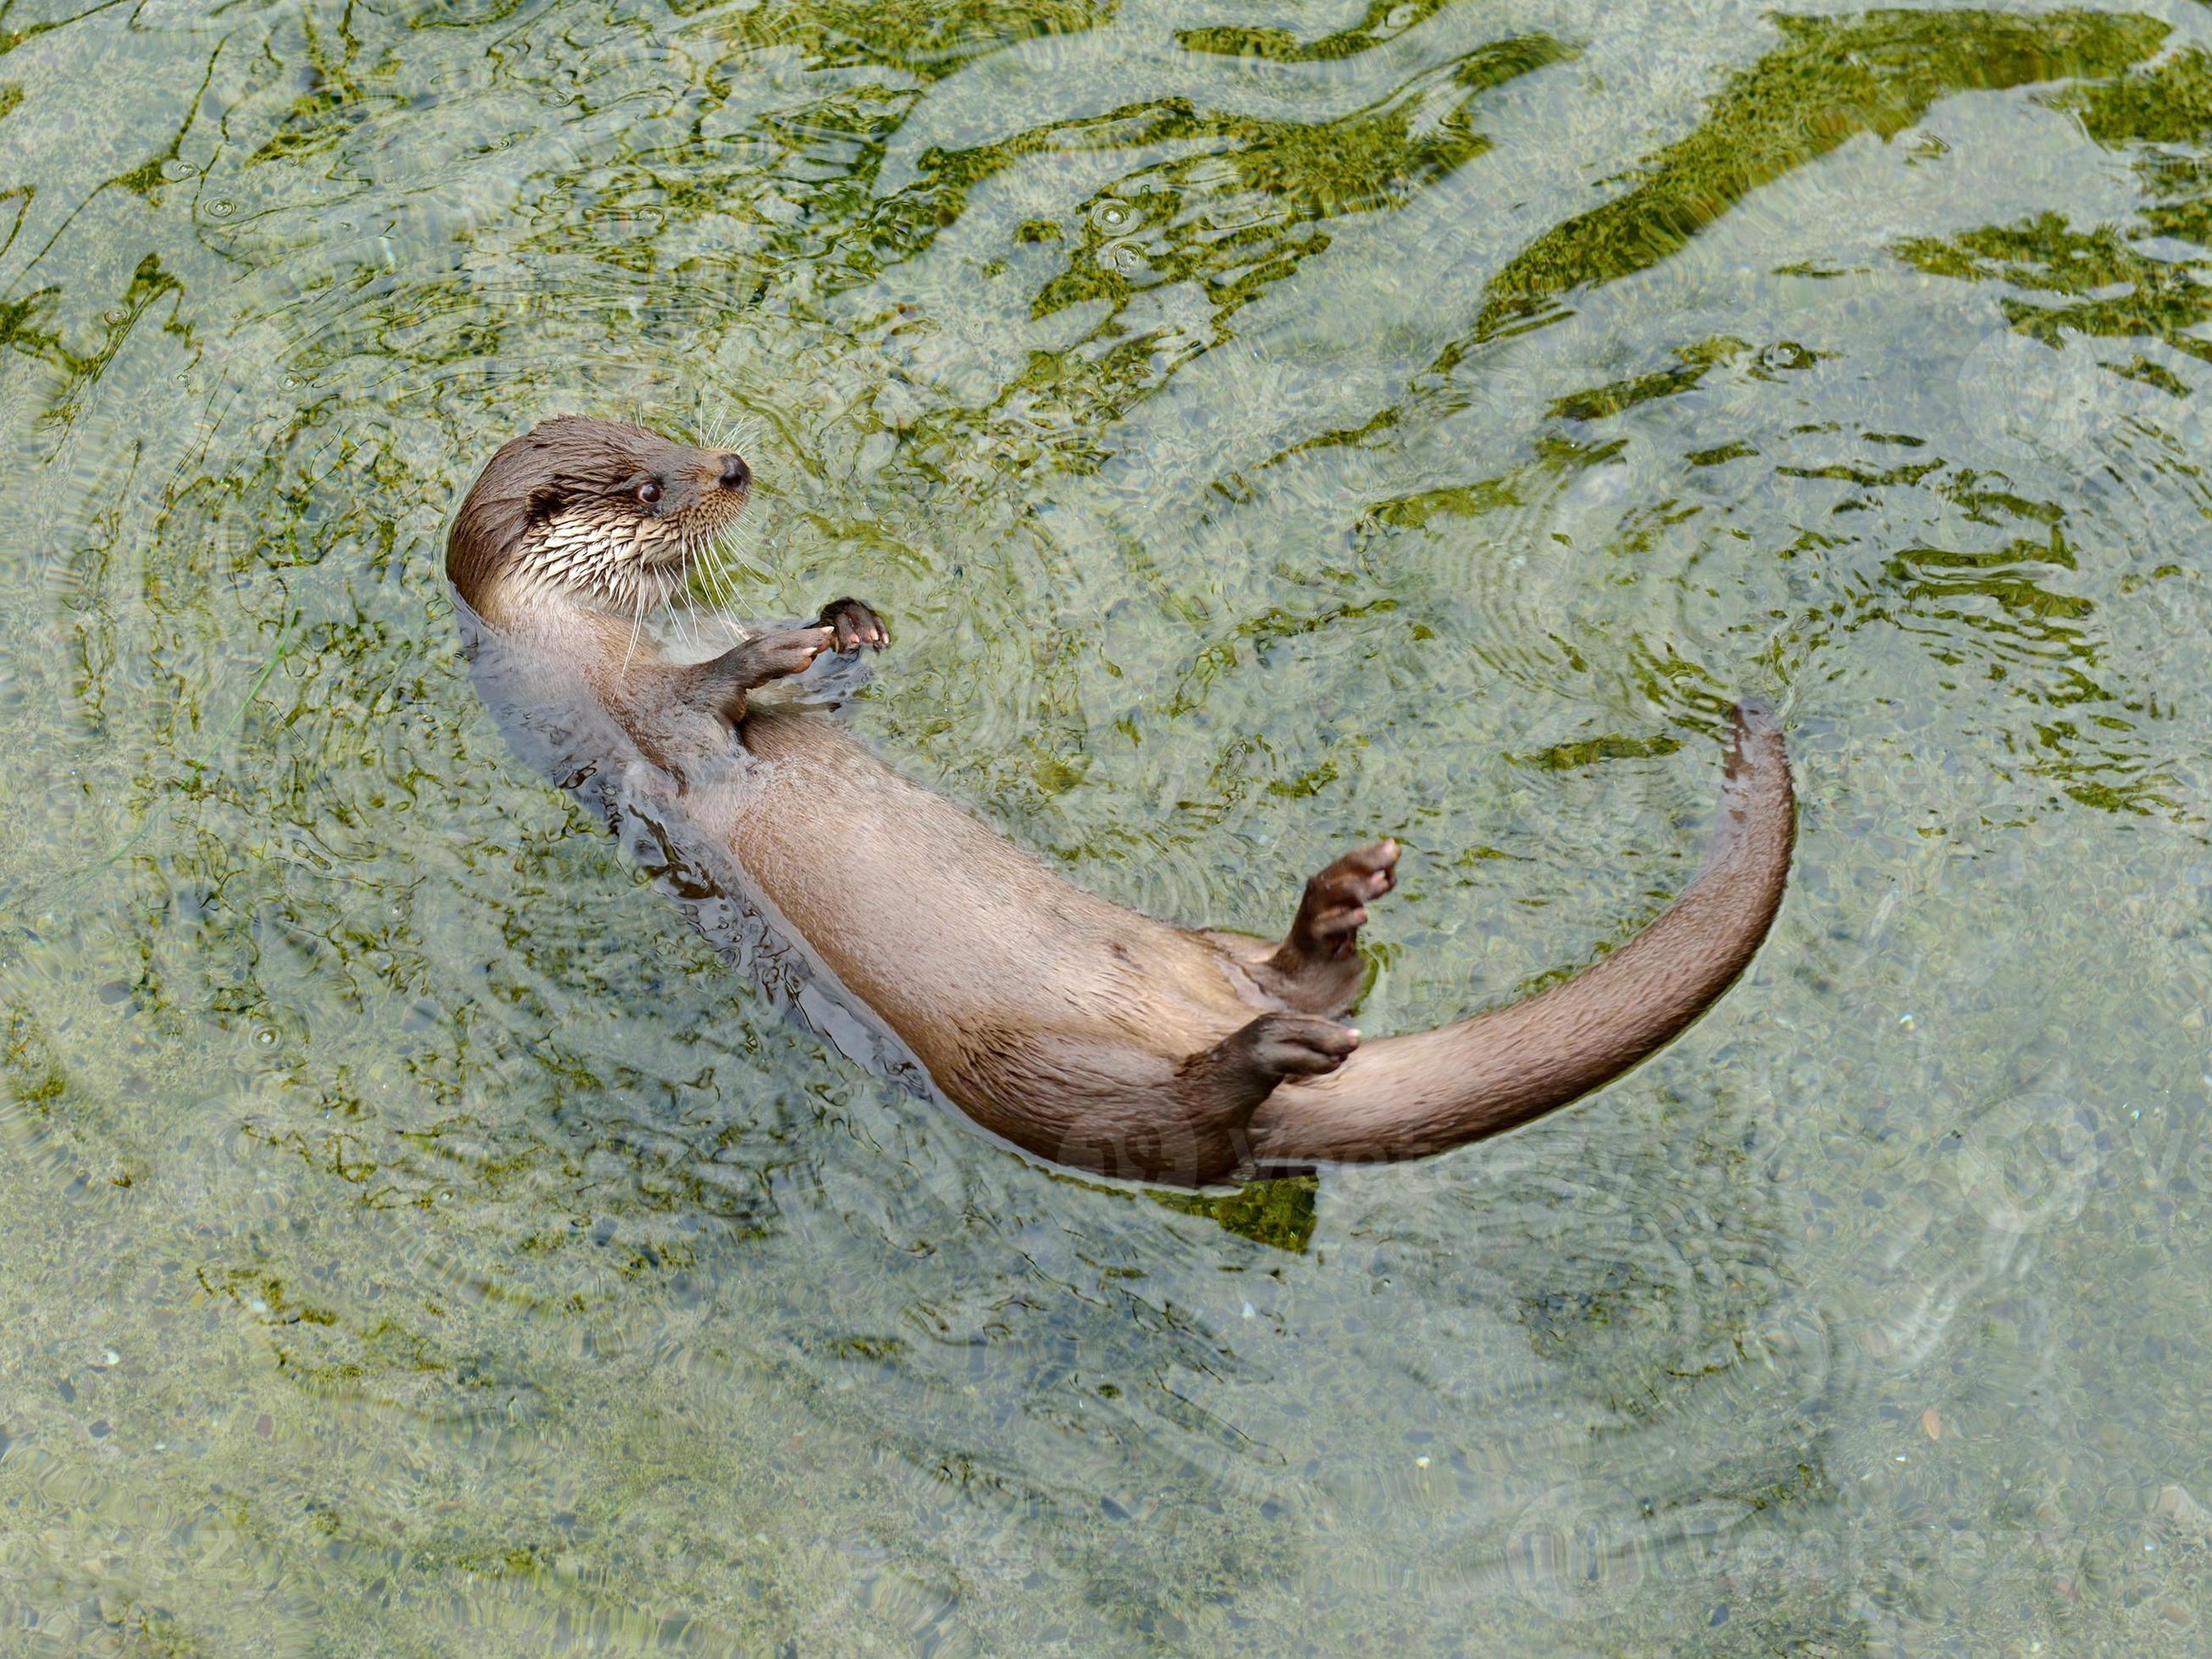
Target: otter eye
649	491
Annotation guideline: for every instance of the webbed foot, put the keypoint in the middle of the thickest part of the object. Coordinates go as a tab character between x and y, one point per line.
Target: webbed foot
1316	969
1224	1085
1277	1047
1235	1075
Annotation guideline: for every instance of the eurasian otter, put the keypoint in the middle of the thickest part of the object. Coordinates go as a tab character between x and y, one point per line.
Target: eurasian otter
1082	1031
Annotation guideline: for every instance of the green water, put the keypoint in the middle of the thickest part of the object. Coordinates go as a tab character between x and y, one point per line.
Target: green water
1268	428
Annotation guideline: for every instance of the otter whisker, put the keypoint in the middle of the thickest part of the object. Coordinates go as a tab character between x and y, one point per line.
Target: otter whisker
636	623
708	564
726	578
706	574
718	579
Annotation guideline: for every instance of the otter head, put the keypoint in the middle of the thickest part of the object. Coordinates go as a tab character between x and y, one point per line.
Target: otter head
608	514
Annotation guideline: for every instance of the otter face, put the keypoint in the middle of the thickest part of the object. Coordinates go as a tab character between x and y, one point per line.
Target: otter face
610	511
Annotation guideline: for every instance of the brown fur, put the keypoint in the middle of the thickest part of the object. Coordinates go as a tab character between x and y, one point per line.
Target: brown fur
1076	1029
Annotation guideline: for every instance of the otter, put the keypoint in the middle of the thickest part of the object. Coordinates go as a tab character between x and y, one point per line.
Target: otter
1077	1030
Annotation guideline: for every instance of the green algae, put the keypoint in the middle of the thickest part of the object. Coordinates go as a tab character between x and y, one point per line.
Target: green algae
1831	80
1279	1213
1384	20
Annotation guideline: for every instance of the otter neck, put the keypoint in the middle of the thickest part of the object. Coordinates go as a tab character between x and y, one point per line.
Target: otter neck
545	575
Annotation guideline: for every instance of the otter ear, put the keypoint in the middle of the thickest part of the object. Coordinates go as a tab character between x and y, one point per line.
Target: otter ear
545	500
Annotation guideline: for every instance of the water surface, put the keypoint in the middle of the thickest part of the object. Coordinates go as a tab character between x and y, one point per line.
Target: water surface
1268	428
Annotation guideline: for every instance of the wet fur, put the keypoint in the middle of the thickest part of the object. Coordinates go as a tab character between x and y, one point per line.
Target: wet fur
1078	1030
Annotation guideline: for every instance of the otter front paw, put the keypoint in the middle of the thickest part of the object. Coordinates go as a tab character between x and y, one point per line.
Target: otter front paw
780	655
854	624
720	686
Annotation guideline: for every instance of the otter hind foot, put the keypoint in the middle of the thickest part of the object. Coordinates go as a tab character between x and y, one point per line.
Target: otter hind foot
1236	1073
1224	1085
1278	1047
1316	969
1334	907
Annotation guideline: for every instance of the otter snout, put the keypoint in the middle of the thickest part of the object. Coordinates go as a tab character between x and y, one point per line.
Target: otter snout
736	475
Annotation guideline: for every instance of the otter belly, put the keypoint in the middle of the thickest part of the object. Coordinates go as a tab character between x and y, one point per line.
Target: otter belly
972	951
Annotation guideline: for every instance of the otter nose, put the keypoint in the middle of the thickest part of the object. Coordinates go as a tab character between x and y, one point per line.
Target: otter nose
736	475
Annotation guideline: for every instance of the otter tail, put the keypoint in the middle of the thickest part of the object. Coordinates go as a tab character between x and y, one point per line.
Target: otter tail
1408	1096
